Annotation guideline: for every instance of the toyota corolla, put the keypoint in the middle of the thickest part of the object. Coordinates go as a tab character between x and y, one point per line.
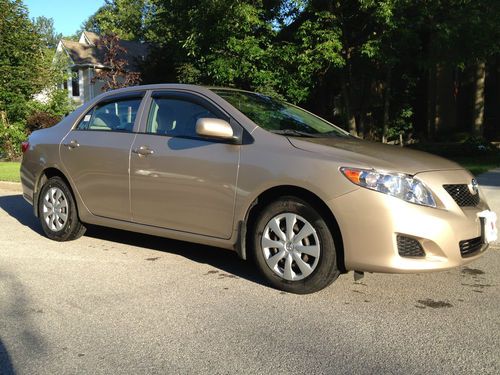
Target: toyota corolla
240	170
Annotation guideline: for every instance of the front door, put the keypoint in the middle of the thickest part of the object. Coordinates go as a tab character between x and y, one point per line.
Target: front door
96	156
178	180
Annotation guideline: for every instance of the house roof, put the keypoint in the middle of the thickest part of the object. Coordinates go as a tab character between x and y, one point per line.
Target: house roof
87	51
93	38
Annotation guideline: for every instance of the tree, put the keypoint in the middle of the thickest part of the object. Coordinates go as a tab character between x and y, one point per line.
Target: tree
116	75
214	42
380	67
45	28
21	59
125	18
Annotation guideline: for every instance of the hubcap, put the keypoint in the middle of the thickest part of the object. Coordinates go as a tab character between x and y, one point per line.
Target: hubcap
291	246
55	209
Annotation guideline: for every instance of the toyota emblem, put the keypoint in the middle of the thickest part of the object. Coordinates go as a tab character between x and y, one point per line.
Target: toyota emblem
474	186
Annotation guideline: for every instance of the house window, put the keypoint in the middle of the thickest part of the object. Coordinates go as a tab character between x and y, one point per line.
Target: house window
75	84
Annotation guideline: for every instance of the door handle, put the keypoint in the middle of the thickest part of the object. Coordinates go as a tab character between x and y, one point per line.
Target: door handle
72	144
143	151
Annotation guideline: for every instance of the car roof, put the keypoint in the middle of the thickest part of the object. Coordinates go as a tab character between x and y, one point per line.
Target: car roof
178	86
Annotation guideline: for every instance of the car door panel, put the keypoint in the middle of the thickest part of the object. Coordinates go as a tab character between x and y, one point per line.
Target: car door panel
99	169
96	155
186	183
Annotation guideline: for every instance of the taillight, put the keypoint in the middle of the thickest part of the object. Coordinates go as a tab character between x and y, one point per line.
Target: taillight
25	146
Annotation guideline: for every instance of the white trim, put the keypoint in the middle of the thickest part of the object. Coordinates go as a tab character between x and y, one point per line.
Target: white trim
61	47
69	84
84	39
81	85
91	85
95	66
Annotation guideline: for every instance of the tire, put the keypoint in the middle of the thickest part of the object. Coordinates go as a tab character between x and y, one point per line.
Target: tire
283	261
57	211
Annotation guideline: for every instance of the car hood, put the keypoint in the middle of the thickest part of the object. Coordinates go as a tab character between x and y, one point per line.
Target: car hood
357	152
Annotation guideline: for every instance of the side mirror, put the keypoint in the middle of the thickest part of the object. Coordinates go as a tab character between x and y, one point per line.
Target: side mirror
214	128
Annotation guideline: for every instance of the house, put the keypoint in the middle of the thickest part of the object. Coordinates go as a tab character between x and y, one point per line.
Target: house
85	57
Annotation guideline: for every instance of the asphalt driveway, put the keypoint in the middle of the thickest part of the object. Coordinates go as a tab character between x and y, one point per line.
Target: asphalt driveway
116	302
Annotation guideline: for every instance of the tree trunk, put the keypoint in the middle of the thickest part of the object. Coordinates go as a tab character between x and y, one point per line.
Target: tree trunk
480	77
361	125
351	120
387	102
431	102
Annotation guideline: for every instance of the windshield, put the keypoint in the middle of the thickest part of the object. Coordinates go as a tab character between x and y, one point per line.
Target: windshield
279	117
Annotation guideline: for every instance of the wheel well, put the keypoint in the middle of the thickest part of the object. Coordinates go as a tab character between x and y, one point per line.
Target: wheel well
49	173
316	202
46	174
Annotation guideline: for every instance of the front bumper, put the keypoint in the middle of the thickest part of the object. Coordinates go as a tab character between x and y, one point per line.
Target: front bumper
370	223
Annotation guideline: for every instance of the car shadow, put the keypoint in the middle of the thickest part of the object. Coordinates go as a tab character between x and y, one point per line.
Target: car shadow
6	367
25	335
19	209
222	259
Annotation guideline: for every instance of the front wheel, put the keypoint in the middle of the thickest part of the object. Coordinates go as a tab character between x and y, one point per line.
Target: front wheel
294	248
57	211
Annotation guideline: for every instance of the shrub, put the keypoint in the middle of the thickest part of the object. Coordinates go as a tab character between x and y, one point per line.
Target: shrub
11	137
476	144
41	120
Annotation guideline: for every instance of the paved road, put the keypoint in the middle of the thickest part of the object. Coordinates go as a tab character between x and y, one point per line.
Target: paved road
114	302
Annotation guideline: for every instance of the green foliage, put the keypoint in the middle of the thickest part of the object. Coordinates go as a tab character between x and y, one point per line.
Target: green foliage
403	124
367	64
121	17
26	69
21	59
11	137
59	103
476	144
45	28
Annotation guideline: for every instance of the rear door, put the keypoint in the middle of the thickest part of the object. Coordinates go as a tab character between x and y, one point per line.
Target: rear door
178	180
96	155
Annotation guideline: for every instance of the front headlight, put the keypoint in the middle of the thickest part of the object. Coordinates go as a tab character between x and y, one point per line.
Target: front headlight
398	185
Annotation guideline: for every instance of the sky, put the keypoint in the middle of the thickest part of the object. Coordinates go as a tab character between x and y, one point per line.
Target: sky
68	15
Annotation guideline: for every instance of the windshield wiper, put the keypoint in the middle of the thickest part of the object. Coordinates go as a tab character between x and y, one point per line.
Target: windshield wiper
293	133
334	134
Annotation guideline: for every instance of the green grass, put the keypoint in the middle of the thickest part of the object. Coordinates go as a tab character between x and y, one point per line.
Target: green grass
468	156
9	171
478	164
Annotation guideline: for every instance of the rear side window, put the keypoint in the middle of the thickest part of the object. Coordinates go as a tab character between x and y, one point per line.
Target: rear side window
175	117
118	116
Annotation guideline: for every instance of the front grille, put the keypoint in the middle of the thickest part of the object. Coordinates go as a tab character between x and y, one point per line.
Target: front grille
462	195
409	247
470	247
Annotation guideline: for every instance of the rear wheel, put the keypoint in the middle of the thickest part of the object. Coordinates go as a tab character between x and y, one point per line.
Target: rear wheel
57	211
294	248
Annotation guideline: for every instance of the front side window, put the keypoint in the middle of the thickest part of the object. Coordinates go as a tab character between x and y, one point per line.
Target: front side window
116	116
279	117
175	117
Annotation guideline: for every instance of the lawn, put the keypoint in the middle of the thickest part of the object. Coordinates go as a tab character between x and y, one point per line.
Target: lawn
475	160
9	171
478	164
